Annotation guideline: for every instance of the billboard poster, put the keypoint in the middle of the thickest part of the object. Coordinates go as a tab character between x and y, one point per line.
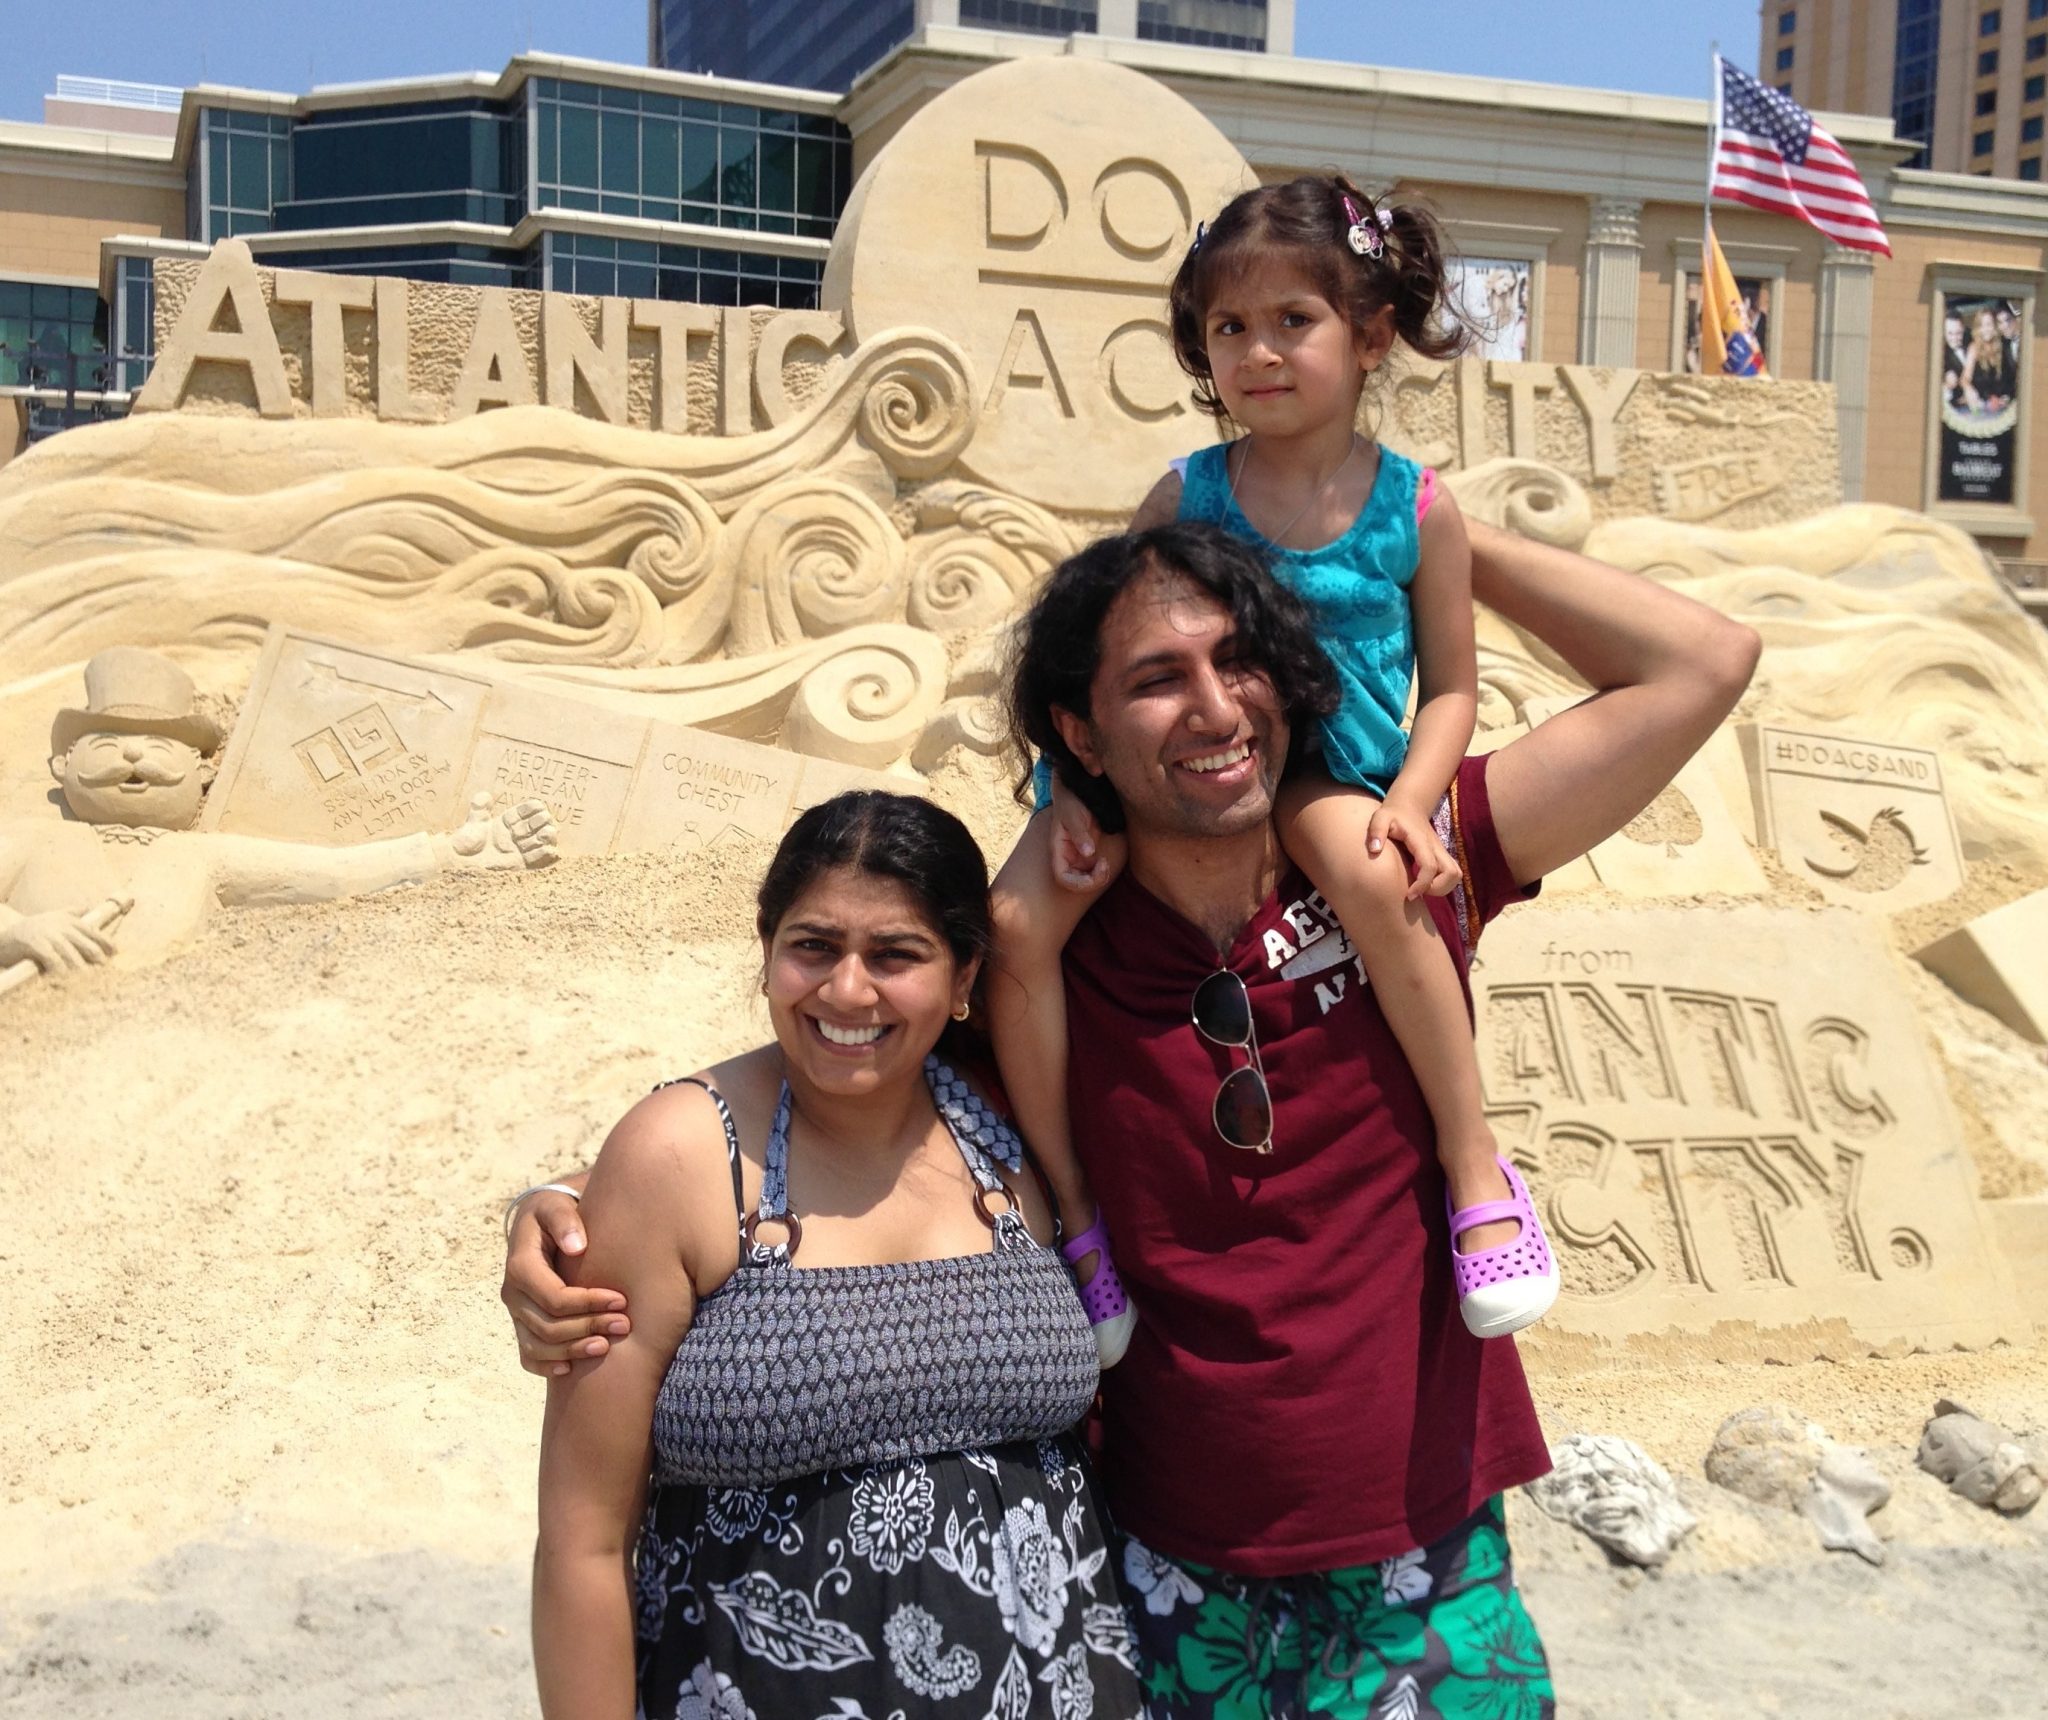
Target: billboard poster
1492	296
1980	398
1756	301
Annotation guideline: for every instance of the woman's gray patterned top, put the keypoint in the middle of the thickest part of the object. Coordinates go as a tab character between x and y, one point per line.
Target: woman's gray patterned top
786	1371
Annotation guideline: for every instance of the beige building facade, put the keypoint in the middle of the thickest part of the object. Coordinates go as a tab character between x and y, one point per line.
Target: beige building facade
1594	198
1576	213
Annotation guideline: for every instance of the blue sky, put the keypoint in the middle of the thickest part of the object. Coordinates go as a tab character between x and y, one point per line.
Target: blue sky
290	44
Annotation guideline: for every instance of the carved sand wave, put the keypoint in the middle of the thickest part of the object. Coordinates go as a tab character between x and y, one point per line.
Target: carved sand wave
1888	625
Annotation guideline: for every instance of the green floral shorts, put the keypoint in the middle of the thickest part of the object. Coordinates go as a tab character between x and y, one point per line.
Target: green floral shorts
1439	1631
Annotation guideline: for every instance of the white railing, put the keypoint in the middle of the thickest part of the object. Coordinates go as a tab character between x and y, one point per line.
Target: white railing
113	92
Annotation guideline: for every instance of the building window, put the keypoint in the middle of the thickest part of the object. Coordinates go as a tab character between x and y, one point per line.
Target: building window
134	319
687	274
1987	102
2030	168
1024	15
670	158
460	265
1987	63
1788	19
52	337
244	164
1981	143
1784	59
1914	67
2037	47
1784	89
407	162
2037	85
2036	9
1235	24
1987	23
2030	129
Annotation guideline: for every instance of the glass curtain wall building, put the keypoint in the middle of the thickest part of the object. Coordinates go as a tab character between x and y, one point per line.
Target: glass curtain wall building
1916	73
53	339
817	44
505	189
554	175
826	44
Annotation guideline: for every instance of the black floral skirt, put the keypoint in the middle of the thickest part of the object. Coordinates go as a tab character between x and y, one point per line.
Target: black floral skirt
979	1584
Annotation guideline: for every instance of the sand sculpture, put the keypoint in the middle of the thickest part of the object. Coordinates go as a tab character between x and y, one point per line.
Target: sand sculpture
612	554
1616	1492
1979	1461
778	548
1775	1456
1999	961
338	745
133	763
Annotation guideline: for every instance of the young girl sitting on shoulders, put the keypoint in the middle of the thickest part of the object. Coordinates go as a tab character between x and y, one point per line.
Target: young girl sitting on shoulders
1282	312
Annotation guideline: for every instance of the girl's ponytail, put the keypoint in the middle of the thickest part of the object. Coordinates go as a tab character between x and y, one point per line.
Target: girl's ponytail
1409	271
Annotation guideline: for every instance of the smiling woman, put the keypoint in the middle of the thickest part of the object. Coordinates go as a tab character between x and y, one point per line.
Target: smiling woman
846	1332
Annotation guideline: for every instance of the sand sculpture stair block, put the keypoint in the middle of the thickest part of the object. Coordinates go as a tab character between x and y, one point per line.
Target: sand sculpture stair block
2021	1227
1733	1115
1999	962
1866	823
335	744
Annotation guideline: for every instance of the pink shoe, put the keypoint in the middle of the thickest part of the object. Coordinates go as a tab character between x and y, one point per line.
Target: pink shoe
1110	1314
1503	1289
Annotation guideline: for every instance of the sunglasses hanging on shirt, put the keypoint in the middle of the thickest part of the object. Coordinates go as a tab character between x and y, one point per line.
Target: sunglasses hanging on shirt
1243	1109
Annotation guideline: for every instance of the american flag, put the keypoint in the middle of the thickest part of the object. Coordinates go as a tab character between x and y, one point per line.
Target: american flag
1769	154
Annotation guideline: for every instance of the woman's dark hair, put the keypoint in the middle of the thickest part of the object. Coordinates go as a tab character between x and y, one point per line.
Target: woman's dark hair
1057	646
1306	219
922	846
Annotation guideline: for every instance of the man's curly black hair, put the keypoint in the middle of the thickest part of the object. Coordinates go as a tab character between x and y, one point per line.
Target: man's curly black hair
1058	645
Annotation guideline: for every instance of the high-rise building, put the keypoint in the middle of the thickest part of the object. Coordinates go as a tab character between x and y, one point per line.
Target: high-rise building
1967	81
826	44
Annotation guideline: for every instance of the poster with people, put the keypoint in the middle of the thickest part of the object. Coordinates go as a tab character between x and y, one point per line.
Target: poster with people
1980	398
1492	294
1756	305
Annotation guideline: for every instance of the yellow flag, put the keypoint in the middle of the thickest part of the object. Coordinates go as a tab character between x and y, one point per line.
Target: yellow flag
1727	342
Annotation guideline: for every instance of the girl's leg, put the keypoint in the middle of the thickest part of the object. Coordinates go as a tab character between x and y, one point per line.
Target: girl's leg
1323	826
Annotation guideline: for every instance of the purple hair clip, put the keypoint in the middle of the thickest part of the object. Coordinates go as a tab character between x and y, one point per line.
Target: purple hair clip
1364	236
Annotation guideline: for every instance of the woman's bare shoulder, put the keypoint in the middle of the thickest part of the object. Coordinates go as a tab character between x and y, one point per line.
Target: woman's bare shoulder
679	1128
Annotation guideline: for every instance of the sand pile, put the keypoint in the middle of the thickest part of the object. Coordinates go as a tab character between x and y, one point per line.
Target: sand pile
269	1451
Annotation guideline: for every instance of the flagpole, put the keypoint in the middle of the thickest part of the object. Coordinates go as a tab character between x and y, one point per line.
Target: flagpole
1713	149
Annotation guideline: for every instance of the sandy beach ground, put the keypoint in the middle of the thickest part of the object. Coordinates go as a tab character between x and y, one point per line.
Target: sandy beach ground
268	1451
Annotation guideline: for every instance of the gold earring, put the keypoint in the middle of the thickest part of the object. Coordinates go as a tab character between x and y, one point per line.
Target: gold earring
961	1013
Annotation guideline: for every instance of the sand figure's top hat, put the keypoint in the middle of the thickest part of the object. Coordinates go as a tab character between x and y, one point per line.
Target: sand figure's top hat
131	691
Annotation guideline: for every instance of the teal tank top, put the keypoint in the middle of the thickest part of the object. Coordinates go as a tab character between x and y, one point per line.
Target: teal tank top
1358	588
